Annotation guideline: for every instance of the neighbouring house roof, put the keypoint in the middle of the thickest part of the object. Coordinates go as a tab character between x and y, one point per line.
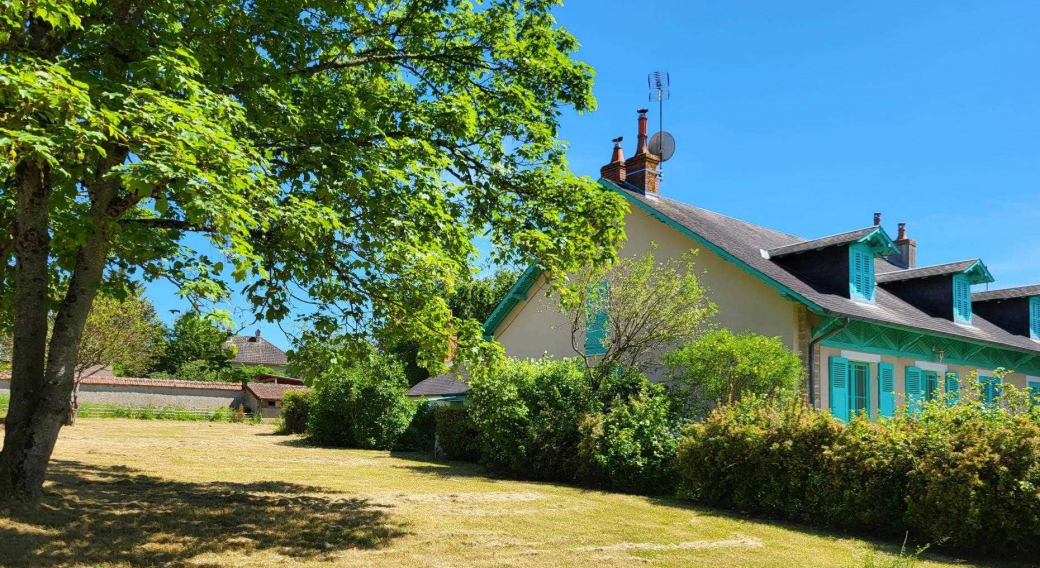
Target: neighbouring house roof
447	384
270	391
277	379
867	234
1007	293
154	383
255	350
974	268
744	243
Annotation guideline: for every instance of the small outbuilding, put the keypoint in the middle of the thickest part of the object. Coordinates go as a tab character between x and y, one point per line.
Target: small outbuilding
266	398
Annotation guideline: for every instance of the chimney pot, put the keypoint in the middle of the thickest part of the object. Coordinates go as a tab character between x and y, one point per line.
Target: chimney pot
877	218
641	169
258	333
615	170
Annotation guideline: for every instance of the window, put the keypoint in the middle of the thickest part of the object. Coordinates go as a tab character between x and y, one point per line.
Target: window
961	299
859	388
1034	317
861	273
931	385
1034	391
596	320
990	389
271	403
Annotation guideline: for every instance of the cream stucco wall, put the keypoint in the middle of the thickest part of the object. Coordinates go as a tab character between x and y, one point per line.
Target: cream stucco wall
900	364
535	327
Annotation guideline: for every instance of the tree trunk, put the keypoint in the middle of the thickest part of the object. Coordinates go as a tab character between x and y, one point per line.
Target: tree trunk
70	419
32	247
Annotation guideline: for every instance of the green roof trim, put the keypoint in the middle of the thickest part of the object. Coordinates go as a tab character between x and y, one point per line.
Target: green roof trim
978	273
784	290
880	243
517	293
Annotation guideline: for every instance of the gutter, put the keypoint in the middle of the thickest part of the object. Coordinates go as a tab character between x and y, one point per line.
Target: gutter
812	357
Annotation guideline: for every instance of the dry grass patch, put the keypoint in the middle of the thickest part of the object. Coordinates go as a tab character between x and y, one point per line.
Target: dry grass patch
136	493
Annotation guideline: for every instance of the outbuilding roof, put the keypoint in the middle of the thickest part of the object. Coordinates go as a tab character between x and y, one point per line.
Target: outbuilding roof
442	385
271	391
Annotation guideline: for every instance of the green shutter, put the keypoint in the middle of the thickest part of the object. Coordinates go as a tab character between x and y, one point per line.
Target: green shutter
1034	391
1035	317
961	299
839	381
861	272
953	388
886	389
991	389
914	388
596	325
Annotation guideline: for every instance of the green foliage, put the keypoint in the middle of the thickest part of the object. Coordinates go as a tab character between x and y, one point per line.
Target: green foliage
222	414
456	434
296	406
721	367
421	430
194	349
962	475
649	306
362	406
124	333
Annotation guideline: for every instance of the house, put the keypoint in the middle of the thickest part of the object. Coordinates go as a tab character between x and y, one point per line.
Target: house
266	398
255	351
873	329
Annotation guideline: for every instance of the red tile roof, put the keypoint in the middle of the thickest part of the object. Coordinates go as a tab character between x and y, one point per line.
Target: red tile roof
270	391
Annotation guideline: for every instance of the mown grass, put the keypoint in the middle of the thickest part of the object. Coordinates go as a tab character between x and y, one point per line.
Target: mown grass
154	493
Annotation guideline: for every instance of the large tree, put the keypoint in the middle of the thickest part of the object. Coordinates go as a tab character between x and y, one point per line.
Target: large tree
340	153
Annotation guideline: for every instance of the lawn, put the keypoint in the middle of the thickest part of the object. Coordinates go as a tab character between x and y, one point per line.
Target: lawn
165	493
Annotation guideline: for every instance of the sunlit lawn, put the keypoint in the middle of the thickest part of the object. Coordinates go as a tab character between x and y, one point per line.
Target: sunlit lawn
159	493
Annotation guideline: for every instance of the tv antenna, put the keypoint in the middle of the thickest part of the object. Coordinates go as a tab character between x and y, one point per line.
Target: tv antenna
662	144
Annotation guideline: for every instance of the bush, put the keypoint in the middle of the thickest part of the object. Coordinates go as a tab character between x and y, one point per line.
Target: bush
296	406
963	476
421	430
720	367
363	406
456	435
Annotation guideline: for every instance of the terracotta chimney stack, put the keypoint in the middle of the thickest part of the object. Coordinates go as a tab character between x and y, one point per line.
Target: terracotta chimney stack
907	248
615	170
642	167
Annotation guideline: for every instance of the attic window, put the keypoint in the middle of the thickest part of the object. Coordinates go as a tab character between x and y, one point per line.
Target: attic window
1034	317
861	273
961	299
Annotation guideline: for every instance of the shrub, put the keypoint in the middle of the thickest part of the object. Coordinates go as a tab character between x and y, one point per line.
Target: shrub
296	406
363	406
419	435
456	435
721	367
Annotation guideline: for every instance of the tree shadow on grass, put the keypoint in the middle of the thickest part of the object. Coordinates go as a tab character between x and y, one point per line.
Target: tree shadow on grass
117	515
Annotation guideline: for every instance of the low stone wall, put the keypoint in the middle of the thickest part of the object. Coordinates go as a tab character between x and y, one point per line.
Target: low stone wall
154	393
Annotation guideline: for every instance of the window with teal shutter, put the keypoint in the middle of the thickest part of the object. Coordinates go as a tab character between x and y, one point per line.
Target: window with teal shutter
861	273
990	389
886	390
839	382
596	327
1034	392
961	299
1034	317
859	389
914	388
953	388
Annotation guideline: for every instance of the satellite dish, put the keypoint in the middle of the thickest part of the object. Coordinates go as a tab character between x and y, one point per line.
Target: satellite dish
662	145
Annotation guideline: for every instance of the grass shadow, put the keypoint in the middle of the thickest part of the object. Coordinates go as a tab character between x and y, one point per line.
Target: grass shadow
116	515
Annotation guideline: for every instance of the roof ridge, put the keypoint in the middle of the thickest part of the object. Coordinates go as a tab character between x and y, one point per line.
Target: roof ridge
902	270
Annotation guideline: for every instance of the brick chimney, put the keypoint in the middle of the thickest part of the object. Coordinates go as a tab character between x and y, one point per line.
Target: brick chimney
907	249
615	170
642	167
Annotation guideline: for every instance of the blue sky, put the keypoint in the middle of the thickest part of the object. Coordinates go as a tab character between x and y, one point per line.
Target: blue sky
808	116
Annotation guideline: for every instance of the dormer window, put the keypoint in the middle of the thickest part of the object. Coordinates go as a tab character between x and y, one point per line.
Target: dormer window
861	273
962	299
1034	317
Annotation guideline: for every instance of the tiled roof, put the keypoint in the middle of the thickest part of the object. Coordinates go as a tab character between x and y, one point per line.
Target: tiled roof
926	271
154	383
255	350
269	391
1006	293
816	244
447	384
744	242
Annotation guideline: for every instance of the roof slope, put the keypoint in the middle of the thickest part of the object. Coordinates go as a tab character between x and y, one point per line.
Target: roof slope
255	350
442	385
815	244
1007	293
271	391
743	243
945	269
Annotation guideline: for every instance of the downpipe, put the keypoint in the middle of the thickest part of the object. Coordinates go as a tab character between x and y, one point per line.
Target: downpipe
812	358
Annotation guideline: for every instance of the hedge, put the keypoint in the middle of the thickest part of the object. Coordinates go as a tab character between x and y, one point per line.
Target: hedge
456	435
296	406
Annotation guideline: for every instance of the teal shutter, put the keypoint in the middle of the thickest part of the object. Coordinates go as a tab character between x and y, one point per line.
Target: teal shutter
991	389
886	390
861	272
1034	392
914	388
961	299
1034	317
596	327
953	388
839	387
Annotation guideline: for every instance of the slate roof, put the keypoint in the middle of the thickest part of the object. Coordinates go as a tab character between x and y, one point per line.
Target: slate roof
271	391
447	384
1006	293
255	350
816	244
743	243
926	271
